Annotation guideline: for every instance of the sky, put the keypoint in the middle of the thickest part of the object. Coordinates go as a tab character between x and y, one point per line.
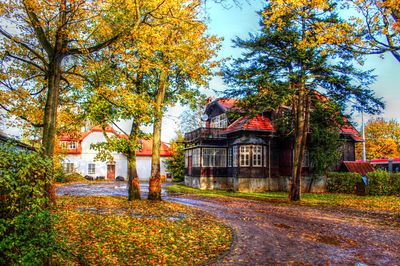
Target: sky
229	22
235	21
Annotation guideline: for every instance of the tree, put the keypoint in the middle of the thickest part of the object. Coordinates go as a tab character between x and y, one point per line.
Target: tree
296	54
190	119
382	139
41	47
379	26
176	164
182	62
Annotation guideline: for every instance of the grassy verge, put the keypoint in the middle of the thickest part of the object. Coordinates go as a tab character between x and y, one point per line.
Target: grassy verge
372	203
112	231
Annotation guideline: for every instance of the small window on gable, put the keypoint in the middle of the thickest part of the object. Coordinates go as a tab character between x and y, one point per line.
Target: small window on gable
91	168
72	145
219	121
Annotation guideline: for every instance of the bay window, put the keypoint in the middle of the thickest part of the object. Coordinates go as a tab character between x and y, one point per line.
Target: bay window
214	157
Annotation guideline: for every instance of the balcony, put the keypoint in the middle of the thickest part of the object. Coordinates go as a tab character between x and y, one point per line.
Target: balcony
205	133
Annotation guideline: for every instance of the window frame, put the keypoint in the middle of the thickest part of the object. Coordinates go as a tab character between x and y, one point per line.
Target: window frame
69	167
256	157
244	157
89	169
216	157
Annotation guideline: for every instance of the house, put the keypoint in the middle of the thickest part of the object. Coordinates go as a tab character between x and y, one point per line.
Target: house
80	158
248	154
18	144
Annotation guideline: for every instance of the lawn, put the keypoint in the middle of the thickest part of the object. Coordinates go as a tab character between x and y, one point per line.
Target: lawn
369	203
104	230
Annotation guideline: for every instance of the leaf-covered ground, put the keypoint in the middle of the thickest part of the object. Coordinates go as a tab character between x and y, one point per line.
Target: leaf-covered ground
104	230
365	203
274	233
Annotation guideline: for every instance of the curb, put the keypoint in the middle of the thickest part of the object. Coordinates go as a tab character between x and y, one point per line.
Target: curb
225	253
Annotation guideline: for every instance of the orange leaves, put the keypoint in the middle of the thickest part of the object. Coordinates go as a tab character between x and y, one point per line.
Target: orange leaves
113	231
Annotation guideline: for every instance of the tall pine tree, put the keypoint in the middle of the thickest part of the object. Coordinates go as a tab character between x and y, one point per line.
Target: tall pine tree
296	54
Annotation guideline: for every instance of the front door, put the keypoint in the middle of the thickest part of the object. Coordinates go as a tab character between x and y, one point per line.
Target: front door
111	171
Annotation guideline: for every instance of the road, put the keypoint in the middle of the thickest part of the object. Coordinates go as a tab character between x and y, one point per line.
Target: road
269	233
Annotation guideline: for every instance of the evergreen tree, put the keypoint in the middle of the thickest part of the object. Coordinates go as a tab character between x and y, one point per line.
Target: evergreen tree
295	56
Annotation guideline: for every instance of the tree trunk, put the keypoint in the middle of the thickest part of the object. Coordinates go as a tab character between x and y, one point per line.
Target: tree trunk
50	118
302	116
155	179
133	178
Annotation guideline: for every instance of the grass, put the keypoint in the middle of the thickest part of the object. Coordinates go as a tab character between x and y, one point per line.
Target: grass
371	203
104	230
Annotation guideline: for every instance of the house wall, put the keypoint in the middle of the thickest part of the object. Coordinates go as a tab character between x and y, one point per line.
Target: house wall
81	161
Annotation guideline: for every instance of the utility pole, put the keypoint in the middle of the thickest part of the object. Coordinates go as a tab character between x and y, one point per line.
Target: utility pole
364	156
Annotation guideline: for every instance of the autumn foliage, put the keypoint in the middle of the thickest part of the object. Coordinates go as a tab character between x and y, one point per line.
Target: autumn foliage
382	139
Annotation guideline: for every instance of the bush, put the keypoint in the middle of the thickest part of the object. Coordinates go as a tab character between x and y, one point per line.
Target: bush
395	184
25	223
382	183
342	182
379	183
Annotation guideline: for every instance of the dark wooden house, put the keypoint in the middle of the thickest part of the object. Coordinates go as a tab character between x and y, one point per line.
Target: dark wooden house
246	154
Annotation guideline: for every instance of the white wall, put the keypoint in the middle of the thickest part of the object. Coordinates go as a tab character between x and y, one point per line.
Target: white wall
81	161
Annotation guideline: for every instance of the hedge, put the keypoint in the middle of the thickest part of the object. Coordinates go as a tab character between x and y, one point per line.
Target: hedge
342	182
380	183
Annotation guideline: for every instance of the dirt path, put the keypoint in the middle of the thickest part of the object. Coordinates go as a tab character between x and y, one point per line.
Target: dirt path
268	233
274	234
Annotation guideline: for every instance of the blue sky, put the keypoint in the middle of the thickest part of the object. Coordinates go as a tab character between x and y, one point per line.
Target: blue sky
234	21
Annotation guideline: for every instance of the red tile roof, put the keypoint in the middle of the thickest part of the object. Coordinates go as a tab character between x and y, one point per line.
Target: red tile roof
147	145
147	148
227	103
258	123
348	129
358	167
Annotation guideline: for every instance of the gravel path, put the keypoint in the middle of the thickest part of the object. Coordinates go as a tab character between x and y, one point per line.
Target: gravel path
279	234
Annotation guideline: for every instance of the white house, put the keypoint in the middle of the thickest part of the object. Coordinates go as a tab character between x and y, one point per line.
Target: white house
80	157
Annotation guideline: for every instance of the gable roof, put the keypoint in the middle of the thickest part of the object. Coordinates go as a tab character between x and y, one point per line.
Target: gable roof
146	150
256	123
348	129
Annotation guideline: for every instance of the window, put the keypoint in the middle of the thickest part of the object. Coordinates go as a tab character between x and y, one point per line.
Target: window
265	156
186	158
91	168
64	144
257	155
214	157
68	167
196	157
230	157
219	121
235	156
72	145
245	155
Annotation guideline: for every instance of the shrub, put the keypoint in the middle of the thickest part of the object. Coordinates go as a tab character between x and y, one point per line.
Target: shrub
395	184
379	183
25	223
342	182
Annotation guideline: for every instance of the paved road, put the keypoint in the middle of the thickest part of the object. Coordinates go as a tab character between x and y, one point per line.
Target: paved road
279	234
103	189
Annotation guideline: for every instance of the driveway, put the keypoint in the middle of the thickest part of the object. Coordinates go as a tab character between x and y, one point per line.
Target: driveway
269	233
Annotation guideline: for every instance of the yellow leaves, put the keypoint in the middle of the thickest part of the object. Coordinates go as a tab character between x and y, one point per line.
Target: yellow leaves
113	231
